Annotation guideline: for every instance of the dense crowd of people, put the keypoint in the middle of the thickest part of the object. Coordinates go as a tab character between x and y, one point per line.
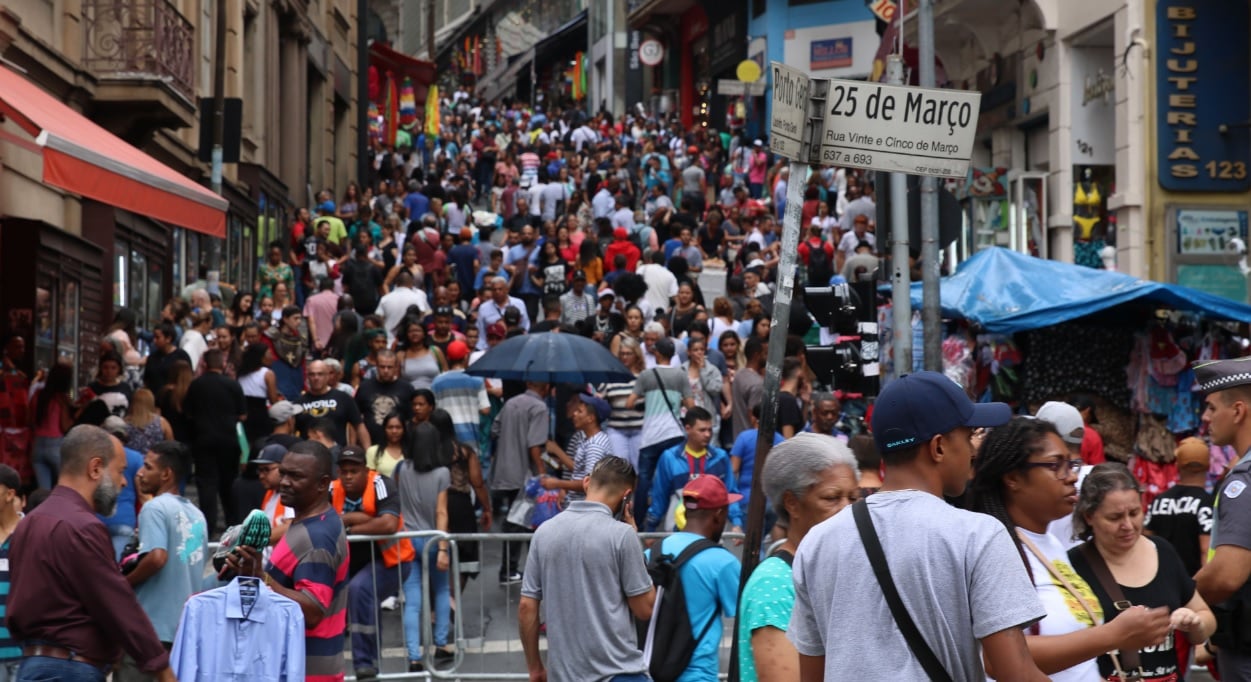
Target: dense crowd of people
333	395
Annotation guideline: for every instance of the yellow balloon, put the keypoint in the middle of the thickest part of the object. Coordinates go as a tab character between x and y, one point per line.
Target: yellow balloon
748	71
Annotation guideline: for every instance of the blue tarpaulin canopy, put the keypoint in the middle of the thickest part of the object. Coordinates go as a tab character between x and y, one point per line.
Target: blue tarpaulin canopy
1006	292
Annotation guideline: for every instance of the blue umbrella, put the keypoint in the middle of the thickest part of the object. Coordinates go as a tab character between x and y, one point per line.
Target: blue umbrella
551	357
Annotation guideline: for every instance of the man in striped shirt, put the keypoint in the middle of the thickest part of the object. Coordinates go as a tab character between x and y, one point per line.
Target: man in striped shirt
464	397
587	447
309	565
10	482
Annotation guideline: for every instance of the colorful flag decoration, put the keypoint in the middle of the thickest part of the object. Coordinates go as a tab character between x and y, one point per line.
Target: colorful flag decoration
432	111
393	109
375	123
408	103
578	79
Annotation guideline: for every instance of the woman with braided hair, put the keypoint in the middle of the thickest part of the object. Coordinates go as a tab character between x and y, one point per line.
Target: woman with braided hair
1025	477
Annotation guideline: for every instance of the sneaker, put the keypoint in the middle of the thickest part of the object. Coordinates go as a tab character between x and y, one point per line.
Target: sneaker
442	655
366	673
390	604
511	578
416	667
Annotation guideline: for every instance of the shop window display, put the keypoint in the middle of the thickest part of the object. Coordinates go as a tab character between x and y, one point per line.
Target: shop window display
1091	232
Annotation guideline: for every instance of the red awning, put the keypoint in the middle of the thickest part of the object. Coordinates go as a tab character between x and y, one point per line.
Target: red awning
386	59
81	157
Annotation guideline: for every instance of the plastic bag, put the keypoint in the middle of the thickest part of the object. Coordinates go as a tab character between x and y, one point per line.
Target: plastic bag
546	502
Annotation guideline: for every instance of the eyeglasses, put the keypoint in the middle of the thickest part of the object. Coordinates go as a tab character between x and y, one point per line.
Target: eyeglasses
1060	467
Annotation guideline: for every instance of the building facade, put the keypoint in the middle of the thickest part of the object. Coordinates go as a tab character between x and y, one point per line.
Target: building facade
138	68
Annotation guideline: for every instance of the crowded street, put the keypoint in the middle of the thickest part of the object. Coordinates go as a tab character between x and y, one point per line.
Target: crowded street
619	341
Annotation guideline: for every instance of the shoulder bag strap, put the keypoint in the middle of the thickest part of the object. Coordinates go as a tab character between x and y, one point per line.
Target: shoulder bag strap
1073	591
916	642
660	386
1059	577
686	555
1129	659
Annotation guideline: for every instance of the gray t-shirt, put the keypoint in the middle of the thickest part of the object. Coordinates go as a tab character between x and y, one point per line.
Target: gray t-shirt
523	424
958	573
419	494
692	176
663	389
745	393
593	564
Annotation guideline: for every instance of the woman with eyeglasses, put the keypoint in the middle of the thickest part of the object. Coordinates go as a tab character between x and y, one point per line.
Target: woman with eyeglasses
1147	571
808	479
1025	477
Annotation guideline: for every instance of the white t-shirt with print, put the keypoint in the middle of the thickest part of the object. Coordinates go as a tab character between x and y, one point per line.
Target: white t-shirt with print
1064	613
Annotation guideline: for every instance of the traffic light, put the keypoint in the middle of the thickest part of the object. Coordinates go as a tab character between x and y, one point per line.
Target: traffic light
848	359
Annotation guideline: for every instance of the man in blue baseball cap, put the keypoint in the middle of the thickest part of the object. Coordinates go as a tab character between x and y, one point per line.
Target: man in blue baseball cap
957	574
588	445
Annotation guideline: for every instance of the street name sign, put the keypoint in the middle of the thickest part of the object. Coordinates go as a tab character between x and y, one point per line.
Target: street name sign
789	113
922	131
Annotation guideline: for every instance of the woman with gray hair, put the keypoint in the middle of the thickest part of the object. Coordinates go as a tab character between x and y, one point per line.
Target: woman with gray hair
808	479
1145	571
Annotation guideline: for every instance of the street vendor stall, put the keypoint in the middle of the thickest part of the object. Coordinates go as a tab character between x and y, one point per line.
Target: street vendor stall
1027	330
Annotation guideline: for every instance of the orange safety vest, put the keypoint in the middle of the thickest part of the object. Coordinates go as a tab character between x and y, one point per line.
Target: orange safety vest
280	510
394	550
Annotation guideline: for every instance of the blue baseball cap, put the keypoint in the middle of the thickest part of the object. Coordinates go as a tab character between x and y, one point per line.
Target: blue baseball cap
914	408
598	405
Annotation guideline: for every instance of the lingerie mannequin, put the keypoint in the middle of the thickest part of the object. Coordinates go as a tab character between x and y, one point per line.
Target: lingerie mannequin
1087	202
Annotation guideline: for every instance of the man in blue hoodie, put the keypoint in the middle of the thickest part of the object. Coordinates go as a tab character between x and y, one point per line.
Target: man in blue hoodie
685	462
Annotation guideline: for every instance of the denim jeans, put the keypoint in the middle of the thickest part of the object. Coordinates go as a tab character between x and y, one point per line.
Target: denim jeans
47	461
648	456
625	444
44	669
413	618
632	677
120	534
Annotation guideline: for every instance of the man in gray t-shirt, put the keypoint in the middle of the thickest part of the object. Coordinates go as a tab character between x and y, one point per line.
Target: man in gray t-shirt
522	435
958	574
664	391
589	568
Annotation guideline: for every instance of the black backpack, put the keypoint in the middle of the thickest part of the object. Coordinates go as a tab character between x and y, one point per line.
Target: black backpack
820	270
672	637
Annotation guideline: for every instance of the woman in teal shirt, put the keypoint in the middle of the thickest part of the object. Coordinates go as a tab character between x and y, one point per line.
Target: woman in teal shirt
807	479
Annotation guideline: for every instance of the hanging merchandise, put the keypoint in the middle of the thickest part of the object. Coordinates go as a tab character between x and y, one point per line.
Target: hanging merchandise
375	123
241	631
998	368
408	103
1076	358
432	112
1184	417
958	360
392	111
375	84
1155	477
1153	442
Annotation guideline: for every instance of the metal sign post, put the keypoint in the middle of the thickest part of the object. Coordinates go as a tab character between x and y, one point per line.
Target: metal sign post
789	136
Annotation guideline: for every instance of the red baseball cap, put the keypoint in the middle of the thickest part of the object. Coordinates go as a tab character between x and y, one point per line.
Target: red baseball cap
708	492
457	350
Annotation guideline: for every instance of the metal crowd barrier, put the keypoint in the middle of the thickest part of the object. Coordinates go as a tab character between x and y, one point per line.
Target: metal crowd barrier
465	655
